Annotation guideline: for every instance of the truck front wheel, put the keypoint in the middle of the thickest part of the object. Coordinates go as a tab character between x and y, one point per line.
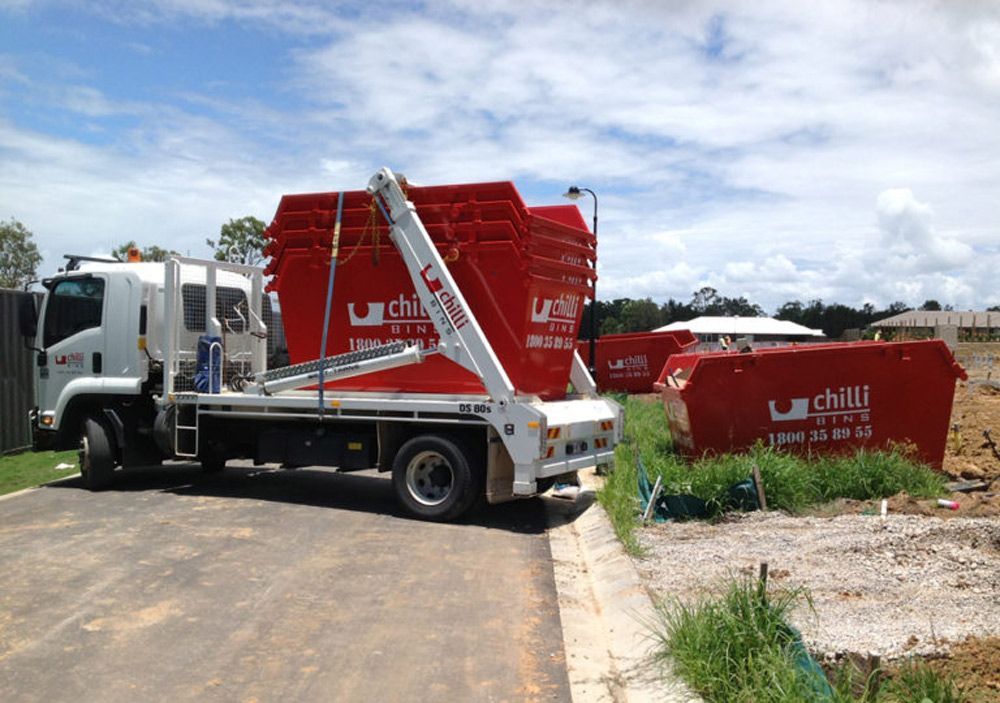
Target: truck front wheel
433	478
97	455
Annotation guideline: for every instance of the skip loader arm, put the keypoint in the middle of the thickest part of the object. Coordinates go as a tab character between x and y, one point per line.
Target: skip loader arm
461	338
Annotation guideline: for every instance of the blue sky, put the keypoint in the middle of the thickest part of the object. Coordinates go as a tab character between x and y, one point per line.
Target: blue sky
779	150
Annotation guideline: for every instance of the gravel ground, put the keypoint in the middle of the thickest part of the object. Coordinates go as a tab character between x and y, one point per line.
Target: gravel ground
908	585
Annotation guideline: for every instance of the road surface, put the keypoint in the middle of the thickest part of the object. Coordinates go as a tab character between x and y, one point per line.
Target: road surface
268	585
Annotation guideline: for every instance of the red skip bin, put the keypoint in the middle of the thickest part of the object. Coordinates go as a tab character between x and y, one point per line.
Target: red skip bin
631	363
826	398
525	277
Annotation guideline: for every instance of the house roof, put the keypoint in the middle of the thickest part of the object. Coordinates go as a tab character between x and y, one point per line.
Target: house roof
740	326
932	318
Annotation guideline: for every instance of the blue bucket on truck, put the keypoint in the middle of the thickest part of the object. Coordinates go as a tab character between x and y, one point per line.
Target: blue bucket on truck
208	378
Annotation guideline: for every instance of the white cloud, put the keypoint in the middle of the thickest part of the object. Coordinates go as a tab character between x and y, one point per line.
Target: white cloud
651	283
911	240
740	145
88	101
671	242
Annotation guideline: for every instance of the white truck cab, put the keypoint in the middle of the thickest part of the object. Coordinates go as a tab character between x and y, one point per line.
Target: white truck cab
85	319
100	344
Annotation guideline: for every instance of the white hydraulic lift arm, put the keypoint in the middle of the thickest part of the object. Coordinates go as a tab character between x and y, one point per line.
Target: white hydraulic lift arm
521	425
461	339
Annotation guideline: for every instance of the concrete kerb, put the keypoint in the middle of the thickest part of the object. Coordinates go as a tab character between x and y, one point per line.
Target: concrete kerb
605	610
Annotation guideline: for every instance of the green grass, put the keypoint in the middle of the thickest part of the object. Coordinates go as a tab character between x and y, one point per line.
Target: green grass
870	474
29	469
646	425
915	681
737	647
791	483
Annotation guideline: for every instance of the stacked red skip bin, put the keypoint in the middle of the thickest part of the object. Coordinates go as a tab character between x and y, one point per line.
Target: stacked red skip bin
525	272
631	362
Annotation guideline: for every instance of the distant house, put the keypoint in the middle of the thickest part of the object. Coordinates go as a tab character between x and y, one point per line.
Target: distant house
921	323
760	331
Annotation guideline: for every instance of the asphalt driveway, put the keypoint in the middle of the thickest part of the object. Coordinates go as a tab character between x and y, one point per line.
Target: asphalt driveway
264	585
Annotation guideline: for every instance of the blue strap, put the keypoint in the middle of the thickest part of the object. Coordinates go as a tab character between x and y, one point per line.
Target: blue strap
334	250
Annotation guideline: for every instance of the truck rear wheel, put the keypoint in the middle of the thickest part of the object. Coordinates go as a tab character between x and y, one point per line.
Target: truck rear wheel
97	455
433	478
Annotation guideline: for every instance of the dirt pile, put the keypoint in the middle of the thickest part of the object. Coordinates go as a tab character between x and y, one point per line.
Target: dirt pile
975	664
968	454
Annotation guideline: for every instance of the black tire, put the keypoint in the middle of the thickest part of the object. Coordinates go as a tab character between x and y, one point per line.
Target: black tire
433	478
212	460
97	454
544	484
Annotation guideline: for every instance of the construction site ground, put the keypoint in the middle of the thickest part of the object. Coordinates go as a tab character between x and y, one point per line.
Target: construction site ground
924	581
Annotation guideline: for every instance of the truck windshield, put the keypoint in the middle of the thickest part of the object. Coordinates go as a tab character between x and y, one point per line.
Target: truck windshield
75	304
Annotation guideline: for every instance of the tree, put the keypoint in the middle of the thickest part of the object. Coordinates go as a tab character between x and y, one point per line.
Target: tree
676	311
706	301
19	257
150	253
240	241
741	307
608	317
640	316
931	305
791	311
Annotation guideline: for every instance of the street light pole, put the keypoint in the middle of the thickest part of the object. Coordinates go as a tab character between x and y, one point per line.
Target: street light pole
575	193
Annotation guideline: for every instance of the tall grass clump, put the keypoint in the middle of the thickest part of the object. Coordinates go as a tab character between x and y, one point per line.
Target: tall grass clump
875	474
789	482
648	437
739	647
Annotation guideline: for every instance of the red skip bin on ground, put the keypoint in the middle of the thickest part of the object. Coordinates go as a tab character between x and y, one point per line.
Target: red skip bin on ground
631	363
826	398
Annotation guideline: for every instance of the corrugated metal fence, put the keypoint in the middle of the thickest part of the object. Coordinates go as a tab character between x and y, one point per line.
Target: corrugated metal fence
17	391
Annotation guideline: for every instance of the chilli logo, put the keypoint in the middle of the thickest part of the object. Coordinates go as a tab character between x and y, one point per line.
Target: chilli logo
453	310
433	284
845	400
562	309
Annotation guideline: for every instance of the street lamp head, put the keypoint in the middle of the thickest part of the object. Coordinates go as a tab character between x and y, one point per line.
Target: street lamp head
573	193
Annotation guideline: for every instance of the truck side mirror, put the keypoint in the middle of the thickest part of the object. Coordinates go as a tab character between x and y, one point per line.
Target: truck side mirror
27	316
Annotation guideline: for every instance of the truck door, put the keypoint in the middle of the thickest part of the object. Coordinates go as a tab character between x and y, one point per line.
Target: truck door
71	336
